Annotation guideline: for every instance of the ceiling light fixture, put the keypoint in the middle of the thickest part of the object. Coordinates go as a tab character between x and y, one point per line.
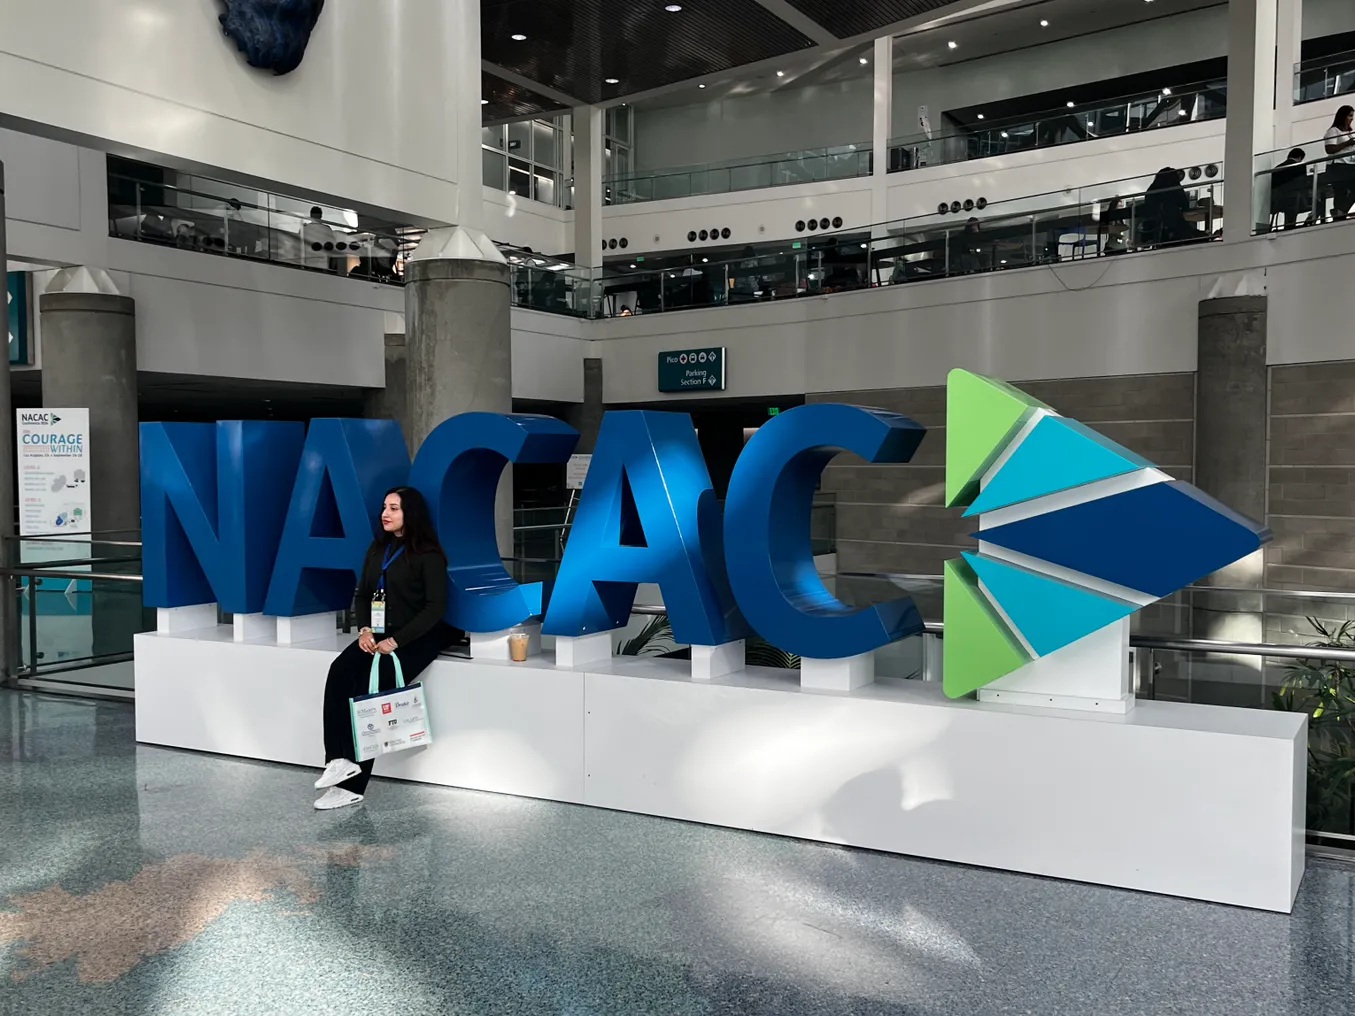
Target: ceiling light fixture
519	37
1044	23
780	74
1004	134
1166	91
613	81
1070	103
953	44
484	102
980	116
700	86
673	8
864	61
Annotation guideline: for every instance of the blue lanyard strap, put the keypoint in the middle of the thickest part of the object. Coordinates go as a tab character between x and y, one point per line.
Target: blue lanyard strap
387	560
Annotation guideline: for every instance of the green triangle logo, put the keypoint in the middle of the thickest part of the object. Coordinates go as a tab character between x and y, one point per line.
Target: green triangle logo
983	414
978	647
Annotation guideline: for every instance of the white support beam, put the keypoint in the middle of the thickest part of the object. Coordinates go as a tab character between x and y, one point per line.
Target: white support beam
883	123
801	22
1251	112
588	162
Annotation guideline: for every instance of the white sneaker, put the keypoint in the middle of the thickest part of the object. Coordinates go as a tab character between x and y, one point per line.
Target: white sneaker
336	772
337	797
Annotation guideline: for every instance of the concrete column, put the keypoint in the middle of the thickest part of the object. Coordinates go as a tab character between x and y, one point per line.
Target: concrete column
458	338
883	124
588	163
9	617
1251	113
89	361
587	417
1288	53
1231	464
392	402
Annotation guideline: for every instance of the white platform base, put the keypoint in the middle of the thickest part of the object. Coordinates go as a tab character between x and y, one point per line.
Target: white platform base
846	674
248	627
171	620
310	627
494	645
585	650
1194	801
710	662
1091	674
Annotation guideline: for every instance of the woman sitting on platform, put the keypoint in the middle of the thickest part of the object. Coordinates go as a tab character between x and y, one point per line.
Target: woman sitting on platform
402	595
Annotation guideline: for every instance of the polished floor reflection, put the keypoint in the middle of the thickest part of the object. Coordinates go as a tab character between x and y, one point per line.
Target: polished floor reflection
142	881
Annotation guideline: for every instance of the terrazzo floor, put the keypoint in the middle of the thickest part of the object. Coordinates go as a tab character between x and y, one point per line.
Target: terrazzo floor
137	880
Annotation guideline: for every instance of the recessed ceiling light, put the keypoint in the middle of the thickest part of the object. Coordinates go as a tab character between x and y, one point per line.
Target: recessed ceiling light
518	37
1044	23
953	45
1166	91
864	61
1004	134
513	193
1180	112
637	266
980	116
484	102
613	81
865	246
1070	103
673	8
780	74
705	260
700	86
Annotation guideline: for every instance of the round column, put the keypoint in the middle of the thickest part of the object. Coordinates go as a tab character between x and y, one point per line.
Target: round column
459	340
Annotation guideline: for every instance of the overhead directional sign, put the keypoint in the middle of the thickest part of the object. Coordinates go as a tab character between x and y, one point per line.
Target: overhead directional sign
692	370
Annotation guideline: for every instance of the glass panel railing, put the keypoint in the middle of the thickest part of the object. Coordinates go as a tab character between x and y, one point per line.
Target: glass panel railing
1325	77
815	165
1304	185
1169	107
212	217
548	284
1116	217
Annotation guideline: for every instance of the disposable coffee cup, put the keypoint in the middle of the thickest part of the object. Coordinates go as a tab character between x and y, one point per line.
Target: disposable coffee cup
517	647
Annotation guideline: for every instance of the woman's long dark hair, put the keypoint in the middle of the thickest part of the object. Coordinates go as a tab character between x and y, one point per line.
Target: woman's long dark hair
419	536
1341	115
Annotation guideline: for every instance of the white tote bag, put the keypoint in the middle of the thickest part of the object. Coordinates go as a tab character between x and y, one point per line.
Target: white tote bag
386	721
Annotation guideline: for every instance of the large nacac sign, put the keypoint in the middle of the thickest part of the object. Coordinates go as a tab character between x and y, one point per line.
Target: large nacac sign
274	518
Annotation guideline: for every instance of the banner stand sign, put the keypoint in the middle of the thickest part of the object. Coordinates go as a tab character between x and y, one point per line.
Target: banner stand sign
53	459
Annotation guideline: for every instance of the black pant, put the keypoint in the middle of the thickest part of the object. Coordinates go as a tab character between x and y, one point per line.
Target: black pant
349	676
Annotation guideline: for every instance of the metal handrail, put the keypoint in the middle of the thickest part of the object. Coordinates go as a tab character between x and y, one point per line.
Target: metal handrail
41	573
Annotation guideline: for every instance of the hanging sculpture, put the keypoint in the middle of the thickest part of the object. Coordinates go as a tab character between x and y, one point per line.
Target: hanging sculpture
272	34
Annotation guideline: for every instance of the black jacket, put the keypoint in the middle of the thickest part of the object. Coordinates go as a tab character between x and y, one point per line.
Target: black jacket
416	592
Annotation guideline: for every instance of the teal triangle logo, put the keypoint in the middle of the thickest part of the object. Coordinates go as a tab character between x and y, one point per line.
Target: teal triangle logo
1057	454
1048	613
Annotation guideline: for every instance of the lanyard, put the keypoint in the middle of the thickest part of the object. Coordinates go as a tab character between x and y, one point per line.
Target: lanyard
387	560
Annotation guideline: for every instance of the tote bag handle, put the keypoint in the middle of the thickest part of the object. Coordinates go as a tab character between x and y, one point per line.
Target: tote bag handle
374	683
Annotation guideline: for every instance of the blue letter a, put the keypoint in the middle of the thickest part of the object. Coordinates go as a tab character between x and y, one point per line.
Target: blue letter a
346	467
647	514
213	498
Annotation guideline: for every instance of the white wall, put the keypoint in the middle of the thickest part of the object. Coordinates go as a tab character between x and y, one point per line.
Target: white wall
788	119
367	117
1327	17
522	223
751	216
548	355
1134	314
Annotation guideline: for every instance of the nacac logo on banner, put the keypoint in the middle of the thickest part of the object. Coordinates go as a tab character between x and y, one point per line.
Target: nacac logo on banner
1077	531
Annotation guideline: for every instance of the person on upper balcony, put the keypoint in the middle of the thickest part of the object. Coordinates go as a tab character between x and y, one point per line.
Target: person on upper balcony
1341	172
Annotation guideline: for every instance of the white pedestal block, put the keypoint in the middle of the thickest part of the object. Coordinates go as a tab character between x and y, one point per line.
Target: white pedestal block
837	675
172	620
248	627
710	662
307	628
494	645
583	650
1091	673
1135	801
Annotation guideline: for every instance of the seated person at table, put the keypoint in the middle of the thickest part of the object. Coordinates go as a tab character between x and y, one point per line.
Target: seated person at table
1290	193
1340	173
1164	209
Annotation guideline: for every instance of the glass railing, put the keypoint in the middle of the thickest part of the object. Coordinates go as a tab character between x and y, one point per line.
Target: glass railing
814	165
78	605
548	284
1302	186
1170	107
1325	77
214	217
1117	217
